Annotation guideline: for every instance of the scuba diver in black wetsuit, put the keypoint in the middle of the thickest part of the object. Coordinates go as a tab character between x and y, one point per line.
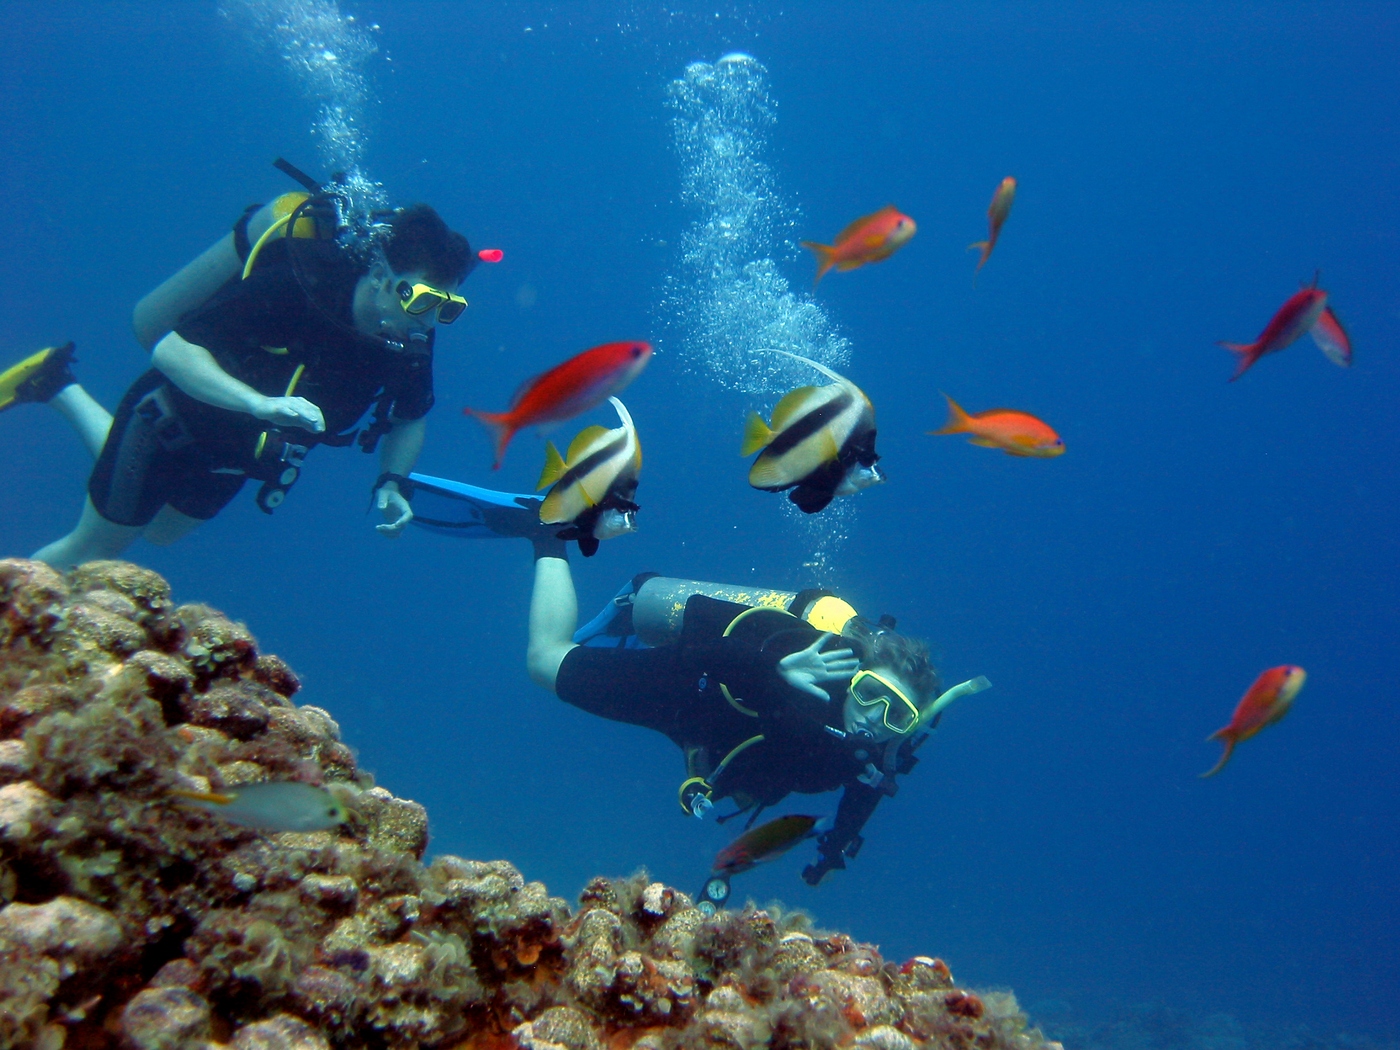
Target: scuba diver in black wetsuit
738	686
278	338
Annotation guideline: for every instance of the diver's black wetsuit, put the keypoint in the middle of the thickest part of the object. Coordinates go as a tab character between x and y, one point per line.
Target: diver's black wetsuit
676	690
167	447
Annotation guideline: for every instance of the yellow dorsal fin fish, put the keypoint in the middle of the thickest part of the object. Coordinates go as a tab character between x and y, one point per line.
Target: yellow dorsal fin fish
791	404
554	466
552	510
585	437
214	797
757	435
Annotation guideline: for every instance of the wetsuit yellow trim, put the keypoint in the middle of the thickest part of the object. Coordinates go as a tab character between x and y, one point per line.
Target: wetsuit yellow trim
709	789
735	703
284	207
291	385
689	781
258	246
735	752
749	612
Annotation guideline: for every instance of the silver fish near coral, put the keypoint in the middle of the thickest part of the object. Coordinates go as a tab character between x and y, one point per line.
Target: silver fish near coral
273	805
820	443
594	485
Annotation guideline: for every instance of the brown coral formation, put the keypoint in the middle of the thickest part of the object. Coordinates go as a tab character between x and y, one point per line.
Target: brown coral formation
128	920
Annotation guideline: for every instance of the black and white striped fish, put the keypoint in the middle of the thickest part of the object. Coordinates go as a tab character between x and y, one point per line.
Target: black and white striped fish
820	444
594	485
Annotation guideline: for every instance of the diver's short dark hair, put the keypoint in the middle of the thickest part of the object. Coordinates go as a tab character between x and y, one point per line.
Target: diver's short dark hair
419	240
882	648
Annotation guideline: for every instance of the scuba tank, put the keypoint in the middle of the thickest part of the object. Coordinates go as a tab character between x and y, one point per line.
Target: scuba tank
191	286
658	606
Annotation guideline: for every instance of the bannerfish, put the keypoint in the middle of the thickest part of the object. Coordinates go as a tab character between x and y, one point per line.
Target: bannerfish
594	485
1000	208
766	842
869	239
580	383
1294	317
272	805
1331	338
1015	433
820	444
1265	702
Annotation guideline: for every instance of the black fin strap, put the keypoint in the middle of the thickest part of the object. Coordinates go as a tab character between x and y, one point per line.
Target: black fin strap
406	485
241	244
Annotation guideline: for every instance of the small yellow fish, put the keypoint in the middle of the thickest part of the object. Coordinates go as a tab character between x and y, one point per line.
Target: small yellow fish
996	215
272	805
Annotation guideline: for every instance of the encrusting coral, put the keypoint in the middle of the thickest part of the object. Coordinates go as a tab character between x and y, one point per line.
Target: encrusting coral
130	920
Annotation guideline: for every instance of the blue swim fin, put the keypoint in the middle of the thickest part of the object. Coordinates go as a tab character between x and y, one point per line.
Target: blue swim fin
454	508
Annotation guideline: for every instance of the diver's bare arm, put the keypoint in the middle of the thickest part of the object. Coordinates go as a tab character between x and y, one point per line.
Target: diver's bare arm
193	369
398	452
553	612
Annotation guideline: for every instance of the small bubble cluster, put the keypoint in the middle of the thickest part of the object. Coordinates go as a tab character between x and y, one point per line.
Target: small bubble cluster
325	51
731	302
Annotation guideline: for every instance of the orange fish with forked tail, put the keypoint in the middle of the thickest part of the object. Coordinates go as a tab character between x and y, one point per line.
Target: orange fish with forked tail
996	215
867	240
1267	701
1015	433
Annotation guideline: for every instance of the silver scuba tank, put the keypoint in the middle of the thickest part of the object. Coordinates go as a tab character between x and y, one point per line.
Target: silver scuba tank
191	286
658	607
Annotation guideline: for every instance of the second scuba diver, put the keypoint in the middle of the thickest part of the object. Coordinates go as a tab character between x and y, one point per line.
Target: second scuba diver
766	694
278	338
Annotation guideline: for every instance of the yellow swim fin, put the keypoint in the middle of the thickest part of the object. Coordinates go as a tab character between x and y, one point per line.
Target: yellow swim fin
38	377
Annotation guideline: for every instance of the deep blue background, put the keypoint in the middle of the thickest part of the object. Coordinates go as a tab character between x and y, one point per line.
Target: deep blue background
1182	167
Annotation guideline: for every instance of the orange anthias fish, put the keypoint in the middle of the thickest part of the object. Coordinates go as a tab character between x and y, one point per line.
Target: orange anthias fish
580	383
1267	701
766	842
1299	314
1015	433
867	240
996	215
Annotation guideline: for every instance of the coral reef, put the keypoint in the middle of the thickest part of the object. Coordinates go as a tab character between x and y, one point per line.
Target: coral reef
130	920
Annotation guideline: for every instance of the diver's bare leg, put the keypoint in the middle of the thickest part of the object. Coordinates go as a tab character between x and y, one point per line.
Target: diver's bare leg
86	416
553	612
94	537
169	525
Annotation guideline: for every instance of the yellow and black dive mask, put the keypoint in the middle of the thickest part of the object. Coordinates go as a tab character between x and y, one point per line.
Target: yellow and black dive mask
418	299
900	714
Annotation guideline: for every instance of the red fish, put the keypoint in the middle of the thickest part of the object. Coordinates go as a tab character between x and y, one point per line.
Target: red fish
1267	701
577	385
1015	433
996	215
767	841
491	255
1294	318
1331	338
867	240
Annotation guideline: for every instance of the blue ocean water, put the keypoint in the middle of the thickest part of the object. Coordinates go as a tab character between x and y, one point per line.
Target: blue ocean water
1182	167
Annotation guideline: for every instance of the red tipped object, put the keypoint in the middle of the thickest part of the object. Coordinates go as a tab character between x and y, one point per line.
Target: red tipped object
490	255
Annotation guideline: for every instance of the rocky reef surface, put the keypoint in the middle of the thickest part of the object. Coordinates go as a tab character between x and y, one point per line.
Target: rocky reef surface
130	920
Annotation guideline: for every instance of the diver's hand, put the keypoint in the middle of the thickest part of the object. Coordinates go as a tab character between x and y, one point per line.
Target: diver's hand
397	512
804	668
290	412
